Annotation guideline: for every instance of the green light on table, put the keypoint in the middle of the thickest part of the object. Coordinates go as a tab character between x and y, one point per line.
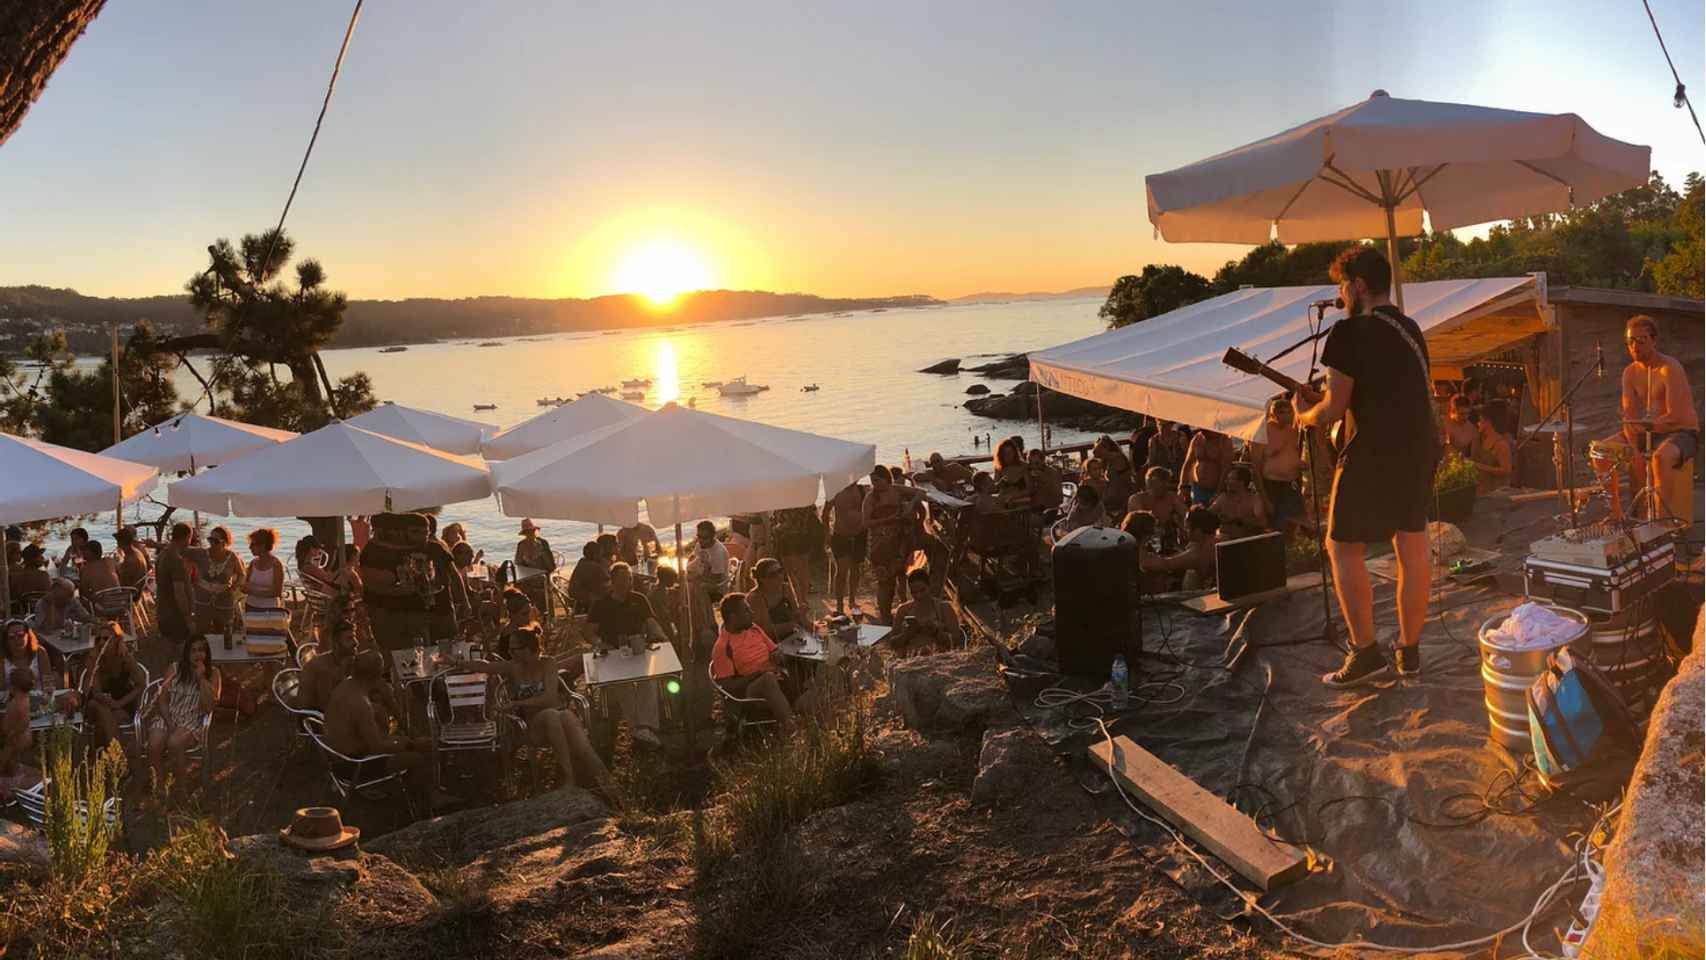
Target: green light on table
672	687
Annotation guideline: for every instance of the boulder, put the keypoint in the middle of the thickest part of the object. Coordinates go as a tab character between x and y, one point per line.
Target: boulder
976	390
1015	367
1652	903
363	891
946	366
20	844
956	691
1010	765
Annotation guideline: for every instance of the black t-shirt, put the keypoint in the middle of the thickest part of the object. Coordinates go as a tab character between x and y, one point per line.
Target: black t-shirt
616	619
428	567
1392	415
172	571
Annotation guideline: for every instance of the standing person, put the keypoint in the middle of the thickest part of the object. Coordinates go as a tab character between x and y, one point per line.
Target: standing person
1166	448
797	536
173	583
1278	464
263	586
1377	370
1206	459
635	542
409	583
1655	389
1139	443
847	544
884	513
590	579
1492	455
532	550
221	578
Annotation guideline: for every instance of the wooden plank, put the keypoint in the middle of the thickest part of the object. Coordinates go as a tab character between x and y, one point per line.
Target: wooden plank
1211	602
1204	817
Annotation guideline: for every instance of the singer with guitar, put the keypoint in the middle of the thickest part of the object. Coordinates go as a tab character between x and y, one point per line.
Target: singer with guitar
1377	372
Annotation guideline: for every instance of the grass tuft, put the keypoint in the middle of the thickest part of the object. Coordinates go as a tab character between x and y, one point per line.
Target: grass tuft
79	835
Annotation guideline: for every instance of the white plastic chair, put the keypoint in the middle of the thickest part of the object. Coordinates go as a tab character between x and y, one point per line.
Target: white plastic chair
33	802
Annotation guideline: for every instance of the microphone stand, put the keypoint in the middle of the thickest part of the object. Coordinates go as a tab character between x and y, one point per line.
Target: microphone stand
1311	436
1598	369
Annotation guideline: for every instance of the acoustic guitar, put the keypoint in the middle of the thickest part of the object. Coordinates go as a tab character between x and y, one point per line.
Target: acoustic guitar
1241	361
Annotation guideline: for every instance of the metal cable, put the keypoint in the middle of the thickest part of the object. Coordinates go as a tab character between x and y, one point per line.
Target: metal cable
1681	89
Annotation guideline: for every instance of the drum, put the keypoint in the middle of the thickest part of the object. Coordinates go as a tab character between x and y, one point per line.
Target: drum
1607	455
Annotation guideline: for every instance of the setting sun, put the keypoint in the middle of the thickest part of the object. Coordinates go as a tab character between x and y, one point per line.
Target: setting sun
662	270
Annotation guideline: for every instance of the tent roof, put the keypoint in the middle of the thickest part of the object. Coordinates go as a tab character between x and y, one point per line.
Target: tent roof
1170	366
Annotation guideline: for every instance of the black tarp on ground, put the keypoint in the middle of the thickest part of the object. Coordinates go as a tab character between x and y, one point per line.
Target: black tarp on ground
1418	864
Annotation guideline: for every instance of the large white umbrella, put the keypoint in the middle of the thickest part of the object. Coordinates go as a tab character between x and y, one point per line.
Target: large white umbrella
436	430
1371	169
685	464
44	480
594	411
339	469
192	441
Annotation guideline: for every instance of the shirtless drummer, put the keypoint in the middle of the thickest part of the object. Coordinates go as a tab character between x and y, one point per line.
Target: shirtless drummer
1655	388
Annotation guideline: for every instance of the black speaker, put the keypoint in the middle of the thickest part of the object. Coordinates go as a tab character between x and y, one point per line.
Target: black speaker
1250	565
1095	584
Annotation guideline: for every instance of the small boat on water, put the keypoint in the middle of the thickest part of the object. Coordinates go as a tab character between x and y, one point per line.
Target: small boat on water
491	343
711	384
392	349
631	384
552	401
809	388
633	394
738	387
604	390
485	406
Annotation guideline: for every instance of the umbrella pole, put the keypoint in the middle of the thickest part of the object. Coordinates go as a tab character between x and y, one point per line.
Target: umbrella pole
116	429
1388	204
5	580
687	611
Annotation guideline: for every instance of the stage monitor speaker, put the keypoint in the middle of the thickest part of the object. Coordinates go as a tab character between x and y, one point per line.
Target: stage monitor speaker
1095	583
1250	565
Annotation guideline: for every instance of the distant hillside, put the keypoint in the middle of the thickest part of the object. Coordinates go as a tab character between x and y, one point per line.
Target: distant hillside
1078	294
26	311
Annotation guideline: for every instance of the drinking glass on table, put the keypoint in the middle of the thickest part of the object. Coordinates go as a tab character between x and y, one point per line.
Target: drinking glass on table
637	644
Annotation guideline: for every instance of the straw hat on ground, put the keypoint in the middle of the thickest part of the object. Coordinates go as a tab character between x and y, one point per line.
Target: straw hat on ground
318	829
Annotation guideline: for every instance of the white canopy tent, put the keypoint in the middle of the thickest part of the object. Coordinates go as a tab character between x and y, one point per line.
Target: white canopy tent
436	430
594	411
1170	366
339	469
684	464
1373	168
45	480
192	441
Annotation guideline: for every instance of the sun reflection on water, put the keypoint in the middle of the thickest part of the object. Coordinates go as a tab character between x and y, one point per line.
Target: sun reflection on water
666	381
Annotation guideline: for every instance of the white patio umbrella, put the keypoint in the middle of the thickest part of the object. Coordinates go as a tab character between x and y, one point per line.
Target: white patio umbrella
436	430
684	464
1371	169
339	469
191	441
591	412
44	480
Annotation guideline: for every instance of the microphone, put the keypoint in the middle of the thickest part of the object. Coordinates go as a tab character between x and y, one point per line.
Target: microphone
1338	303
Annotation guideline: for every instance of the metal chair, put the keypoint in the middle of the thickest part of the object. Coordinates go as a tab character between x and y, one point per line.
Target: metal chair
24	604
351	775
286	687
130	726
471	720
33	802
576	701
736	710
117	604
306	652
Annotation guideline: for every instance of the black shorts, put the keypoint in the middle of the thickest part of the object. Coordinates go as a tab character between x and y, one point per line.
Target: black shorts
848	548
1372	502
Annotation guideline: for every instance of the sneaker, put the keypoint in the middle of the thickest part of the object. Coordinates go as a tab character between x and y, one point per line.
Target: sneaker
648	737
1407	660
1360	667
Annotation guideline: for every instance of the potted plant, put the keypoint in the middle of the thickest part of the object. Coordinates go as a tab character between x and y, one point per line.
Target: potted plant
1454	489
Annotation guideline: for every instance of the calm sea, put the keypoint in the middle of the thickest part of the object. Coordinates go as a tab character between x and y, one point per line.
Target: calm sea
863	363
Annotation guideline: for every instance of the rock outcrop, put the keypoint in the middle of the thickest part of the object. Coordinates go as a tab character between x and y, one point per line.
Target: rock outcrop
1058	408
1015	367
976	390
946	366
957	691
1652	902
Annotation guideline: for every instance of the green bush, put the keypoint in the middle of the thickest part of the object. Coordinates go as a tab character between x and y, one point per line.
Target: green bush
1454	473
79	835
